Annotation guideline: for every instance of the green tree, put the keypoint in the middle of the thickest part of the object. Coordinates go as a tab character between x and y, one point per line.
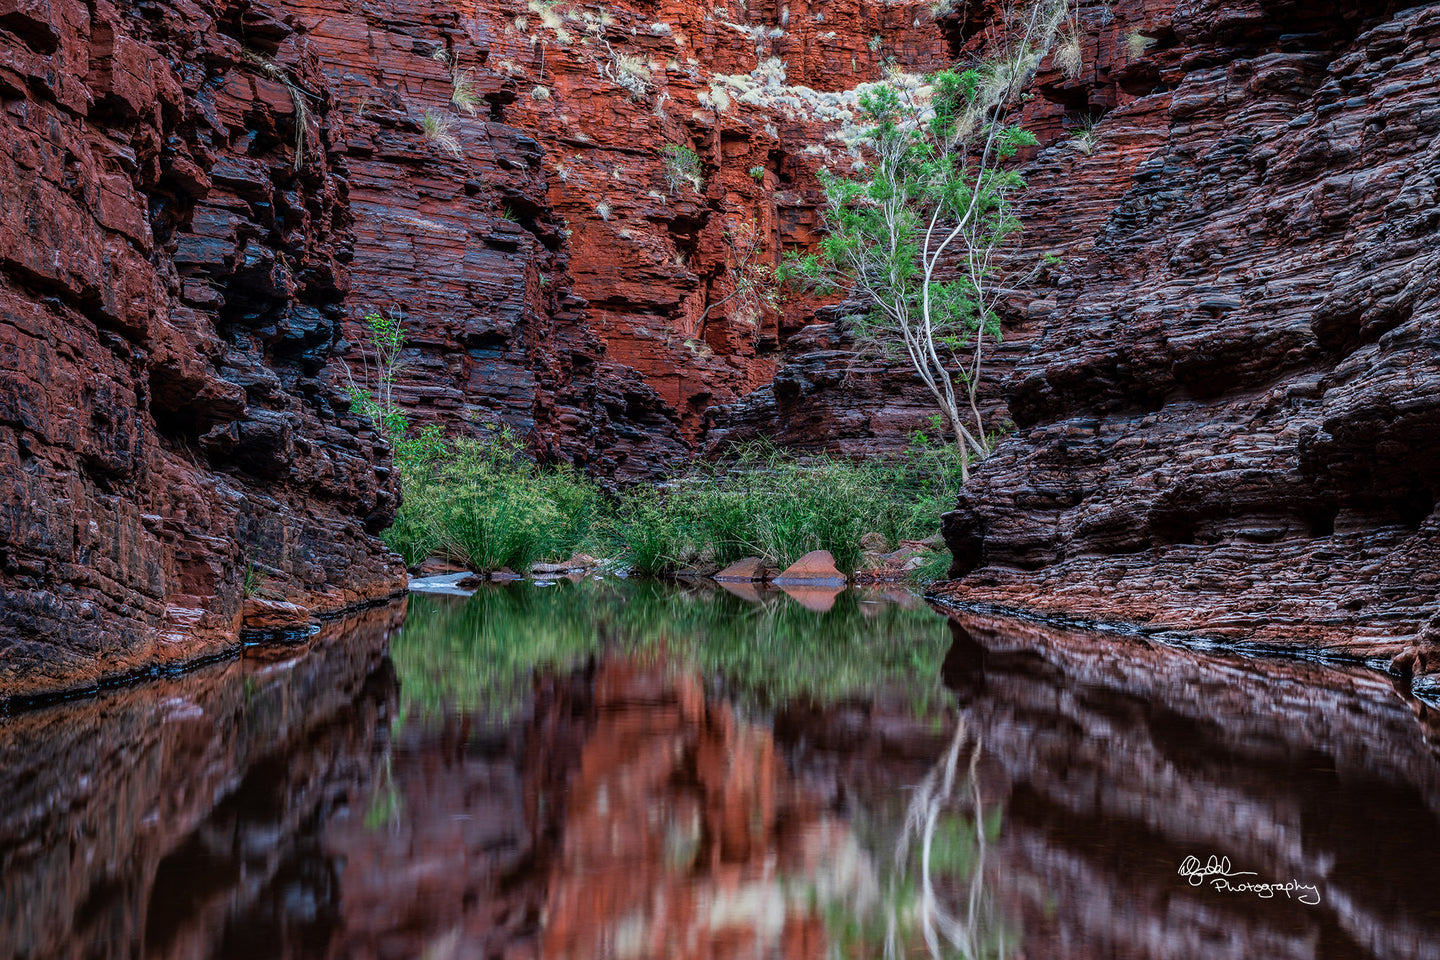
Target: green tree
916	232
382	341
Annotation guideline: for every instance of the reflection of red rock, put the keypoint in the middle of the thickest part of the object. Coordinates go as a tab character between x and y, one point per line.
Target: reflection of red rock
627	816
1115	759
683	837
128	816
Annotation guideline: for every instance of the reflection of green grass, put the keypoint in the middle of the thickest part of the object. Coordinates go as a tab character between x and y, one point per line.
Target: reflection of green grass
954	851
478	653
385	803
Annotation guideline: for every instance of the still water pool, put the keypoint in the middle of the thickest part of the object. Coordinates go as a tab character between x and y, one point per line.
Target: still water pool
639	770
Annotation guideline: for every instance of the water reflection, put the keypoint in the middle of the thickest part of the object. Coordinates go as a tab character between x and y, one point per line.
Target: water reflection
478	652
1115	760
613	770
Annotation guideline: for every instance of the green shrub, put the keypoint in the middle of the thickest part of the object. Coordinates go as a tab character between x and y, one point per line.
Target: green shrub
682	165
485	504
762	502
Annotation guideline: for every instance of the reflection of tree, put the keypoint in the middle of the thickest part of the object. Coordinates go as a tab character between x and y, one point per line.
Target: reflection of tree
946	821
387	800
455	655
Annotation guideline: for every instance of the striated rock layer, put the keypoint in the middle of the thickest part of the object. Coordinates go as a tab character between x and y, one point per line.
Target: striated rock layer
1228	402
514	203
172	232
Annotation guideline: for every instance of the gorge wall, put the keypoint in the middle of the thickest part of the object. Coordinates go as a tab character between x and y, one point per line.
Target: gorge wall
1224	394
175	451
1227	405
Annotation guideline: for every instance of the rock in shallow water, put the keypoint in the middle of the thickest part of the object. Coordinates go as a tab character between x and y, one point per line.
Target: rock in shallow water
815	568
742	571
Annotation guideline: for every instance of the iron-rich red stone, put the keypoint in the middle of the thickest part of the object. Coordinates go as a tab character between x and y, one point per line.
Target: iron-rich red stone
816	568
169	295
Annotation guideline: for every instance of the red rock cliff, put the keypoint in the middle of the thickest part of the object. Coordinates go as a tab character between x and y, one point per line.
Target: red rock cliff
172	235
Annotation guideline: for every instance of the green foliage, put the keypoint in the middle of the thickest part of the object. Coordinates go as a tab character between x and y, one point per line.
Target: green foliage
682	165
916	230
439	130
381	354
757	174
935	568
484	503
463	93
762	502
1137	45
877	219
253	584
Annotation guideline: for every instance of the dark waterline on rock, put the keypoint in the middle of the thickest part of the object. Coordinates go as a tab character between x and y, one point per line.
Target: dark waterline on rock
648	770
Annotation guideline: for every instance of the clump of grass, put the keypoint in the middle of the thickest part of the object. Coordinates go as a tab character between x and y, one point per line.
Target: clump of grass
682	165
936	567
438	129
632	73
1069	56
484	503
763	502
1083	137
539	94
463	93
297	99
550	18
1137	44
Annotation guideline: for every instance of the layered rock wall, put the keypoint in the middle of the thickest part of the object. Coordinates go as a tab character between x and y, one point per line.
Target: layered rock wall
556	272
1228	412
172	437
